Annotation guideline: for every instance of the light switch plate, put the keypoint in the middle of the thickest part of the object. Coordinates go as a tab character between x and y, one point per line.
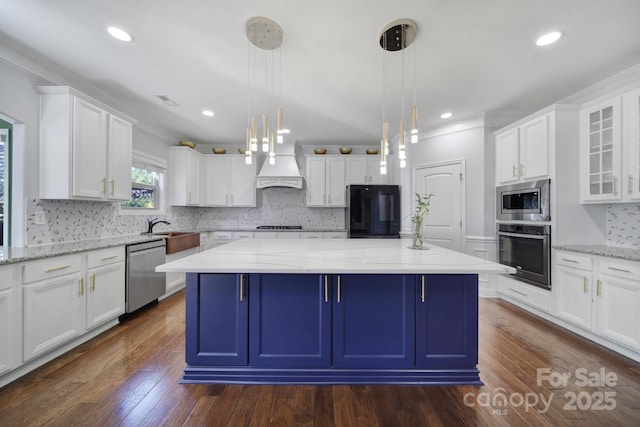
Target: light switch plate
40	218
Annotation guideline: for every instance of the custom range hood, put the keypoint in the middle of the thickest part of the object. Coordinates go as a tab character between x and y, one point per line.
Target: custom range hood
284	173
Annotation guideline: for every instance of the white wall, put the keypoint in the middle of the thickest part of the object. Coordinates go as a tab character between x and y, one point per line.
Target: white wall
467	144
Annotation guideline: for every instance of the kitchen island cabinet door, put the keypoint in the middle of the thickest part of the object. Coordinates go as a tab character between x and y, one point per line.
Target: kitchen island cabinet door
447	322
290	321
374	321
217	319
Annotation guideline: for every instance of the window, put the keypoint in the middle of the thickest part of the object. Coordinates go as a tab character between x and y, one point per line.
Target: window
145	189
147	186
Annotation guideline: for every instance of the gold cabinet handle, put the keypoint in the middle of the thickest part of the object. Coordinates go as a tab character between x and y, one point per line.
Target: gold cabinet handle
62	267
585	288
569	260
422	290
113	187
615	186
599	288
339	296
104	185
619	269
110	257
326	288
521	170
82	286
189	196
93	283
630	184
514	171
241	287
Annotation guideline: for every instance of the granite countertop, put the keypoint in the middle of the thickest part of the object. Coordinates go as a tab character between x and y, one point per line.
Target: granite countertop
629	254
331	256
12	255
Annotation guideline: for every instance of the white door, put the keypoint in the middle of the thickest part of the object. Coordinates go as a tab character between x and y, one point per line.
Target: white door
89	150
119	159
443	224
242	188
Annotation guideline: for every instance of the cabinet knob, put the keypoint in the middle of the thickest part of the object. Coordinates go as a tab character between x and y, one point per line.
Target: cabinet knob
104	185
82	286
585	288
598	288
615	186
113	187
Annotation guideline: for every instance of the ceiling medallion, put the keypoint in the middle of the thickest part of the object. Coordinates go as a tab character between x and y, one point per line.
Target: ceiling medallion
264	33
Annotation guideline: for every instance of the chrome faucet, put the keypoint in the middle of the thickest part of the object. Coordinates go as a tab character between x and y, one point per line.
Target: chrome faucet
152	222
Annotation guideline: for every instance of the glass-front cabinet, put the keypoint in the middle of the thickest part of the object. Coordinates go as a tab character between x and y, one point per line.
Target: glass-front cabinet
610	149
601	136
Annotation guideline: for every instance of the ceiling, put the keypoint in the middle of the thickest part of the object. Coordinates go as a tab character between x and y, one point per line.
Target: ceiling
469	57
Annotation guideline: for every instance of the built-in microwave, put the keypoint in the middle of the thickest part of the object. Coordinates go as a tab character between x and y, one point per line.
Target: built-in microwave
526	201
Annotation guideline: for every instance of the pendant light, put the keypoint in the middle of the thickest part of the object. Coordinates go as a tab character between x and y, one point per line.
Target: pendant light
267	35
397	36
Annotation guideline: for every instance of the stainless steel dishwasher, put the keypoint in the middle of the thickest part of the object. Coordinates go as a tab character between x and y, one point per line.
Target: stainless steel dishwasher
143	284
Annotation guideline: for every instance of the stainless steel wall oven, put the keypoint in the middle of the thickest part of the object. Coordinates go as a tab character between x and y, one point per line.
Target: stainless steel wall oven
527	248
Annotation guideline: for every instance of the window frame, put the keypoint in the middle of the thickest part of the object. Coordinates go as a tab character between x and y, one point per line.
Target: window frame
146	161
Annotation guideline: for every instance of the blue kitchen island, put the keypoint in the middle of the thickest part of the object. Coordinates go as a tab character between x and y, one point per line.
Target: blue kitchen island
360	311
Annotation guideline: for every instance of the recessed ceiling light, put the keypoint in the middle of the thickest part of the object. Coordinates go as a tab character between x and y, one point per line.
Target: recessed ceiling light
446	115
119	34
208	113
549	38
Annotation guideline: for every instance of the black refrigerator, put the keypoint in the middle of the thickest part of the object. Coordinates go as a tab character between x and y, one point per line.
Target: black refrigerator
373	211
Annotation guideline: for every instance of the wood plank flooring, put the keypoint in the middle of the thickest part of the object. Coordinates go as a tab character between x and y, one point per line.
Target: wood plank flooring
129	376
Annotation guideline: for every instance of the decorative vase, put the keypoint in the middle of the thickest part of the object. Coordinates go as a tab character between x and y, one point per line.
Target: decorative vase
417	235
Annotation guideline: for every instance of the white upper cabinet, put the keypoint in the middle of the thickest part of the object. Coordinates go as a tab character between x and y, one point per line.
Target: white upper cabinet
85	147
610	150
522	152
631	138
325	182
229	181
184	176
364	170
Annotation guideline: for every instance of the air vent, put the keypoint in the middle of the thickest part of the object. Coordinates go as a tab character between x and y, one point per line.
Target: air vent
168	101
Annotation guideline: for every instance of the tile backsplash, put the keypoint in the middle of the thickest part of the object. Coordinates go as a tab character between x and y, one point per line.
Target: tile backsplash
623	225
70	220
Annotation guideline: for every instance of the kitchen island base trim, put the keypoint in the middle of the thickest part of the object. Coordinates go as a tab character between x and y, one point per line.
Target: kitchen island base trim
217	375
332	328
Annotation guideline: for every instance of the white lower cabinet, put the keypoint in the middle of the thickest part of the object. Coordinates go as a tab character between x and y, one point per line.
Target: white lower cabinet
64	297
618	302
10	354
52	307
601	295
573	288
105	286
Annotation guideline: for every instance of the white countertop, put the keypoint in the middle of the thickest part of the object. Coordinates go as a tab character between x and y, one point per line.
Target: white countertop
331	256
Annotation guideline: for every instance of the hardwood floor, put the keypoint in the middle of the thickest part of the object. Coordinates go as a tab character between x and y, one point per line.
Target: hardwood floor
129	376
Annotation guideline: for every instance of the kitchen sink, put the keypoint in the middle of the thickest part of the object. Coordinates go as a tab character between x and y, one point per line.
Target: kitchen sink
180	240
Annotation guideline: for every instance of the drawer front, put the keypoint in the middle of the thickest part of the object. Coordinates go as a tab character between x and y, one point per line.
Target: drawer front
7	277
242	235
527	294
51	267
334	235
312	235
627	270
105	256
569	259
222	235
